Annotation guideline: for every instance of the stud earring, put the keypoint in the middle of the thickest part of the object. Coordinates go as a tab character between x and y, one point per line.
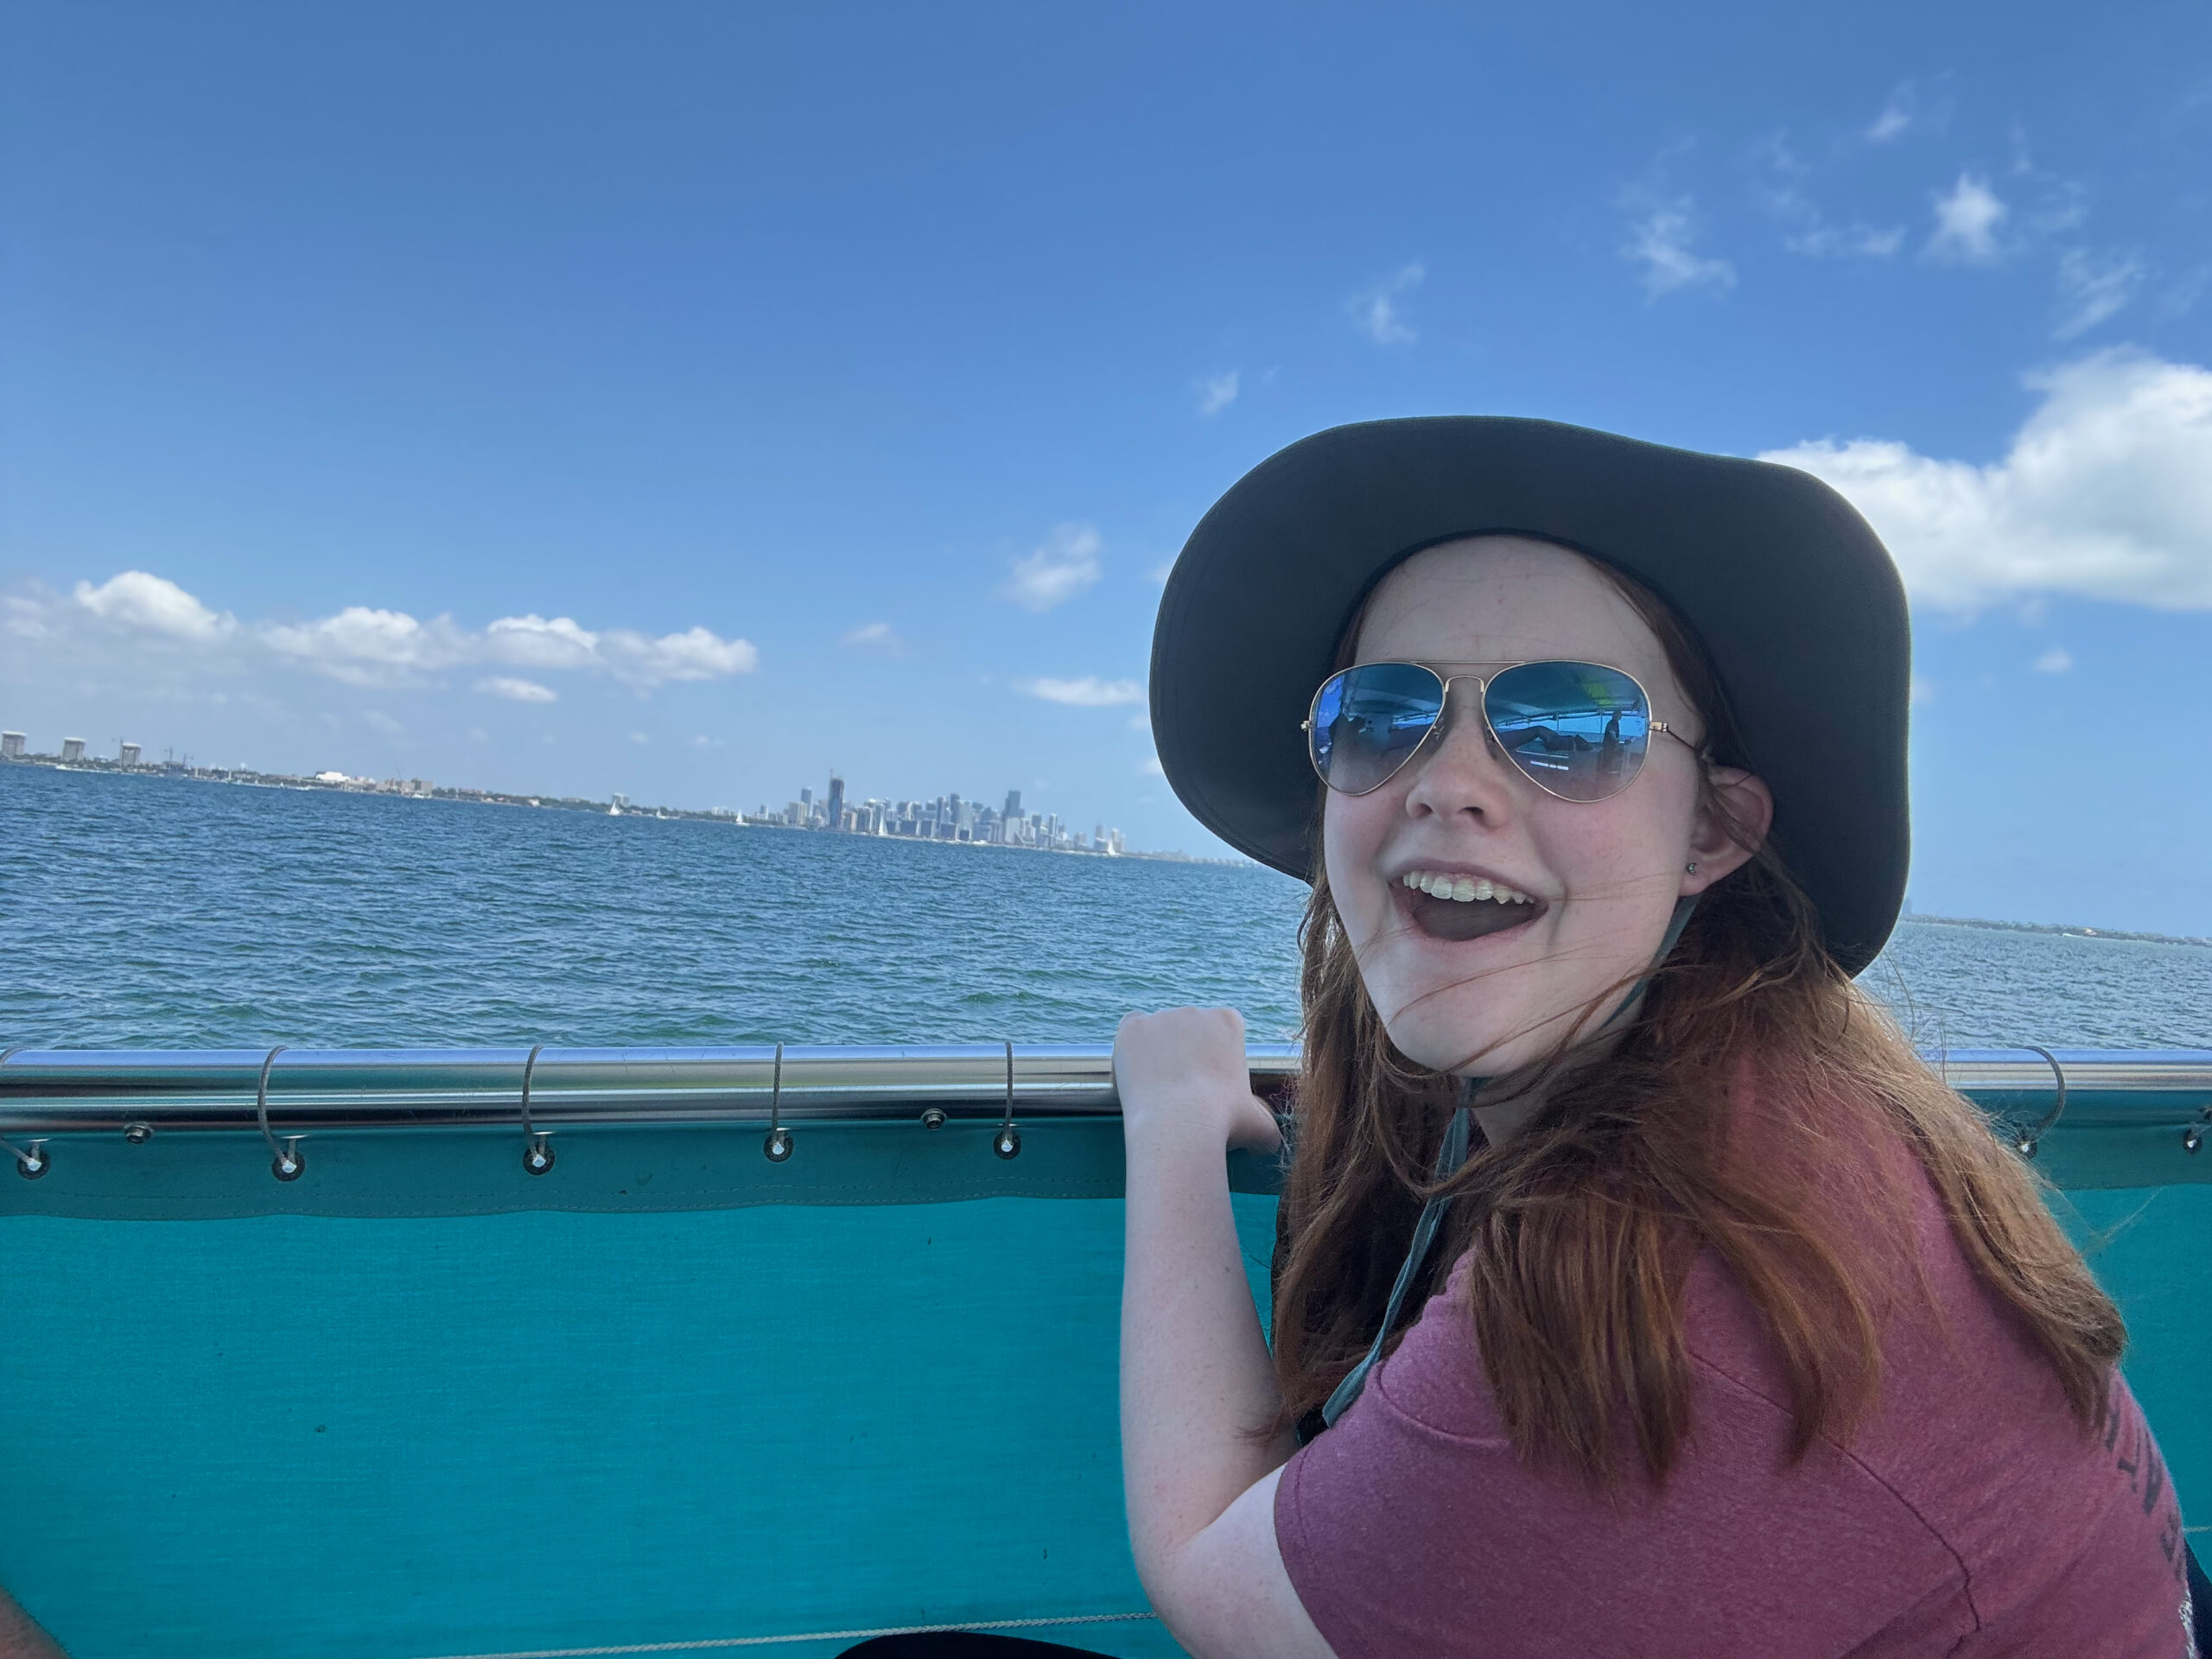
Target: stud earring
1691	867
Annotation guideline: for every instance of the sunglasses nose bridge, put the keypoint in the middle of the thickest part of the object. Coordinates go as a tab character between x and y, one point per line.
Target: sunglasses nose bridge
1447	719
1469	714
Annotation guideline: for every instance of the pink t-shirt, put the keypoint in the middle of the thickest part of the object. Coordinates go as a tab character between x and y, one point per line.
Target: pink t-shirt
1967	1517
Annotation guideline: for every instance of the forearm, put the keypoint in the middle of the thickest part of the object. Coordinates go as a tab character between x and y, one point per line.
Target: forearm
1196	1379
19	1637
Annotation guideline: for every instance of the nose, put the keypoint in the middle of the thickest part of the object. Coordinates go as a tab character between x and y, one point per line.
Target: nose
1461	770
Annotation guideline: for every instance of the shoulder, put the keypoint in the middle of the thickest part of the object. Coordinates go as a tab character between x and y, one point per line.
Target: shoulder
1419	1482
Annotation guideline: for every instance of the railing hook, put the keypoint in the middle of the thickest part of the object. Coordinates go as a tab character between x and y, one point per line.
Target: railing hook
537	1149
286	1163
778	1147
2030	1139
1008	1144
32	1160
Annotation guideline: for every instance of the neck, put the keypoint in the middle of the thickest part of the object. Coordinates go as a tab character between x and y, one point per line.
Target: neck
1504	1106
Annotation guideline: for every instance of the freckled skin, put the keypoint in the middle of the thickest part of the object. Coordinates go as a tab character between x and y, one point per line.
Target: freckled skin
1609	871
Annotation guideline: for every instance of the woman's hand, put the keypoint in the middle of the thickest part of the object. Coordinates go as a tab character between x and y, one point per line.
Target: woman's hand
1181	1076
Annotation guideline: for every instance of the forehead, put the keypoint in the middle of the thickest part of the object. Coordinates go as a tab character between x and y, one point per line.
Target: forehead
1504	599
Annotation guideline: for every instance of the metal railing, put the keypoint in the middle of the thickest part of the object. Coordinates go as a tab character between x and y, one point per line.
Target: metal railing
63	1091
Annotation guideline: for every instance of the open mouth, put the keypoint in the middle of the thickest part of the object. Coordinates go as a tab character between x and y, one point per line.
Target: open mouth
1461	907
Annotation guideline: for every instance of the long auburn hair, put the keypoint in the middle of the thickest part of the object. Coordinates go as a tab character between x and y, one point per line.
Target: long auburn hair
1760	1106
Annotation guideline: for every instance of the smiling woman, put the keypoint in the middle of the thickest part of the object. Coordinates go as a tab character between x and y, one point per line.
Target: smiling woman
1747	1337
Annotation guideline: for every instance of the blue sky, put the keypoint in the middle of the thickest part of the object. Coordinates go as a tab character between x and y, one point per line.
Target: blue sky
680	399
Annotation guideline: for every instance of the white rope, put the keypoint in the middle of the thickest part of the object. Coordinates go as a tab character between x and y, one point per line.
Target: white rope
812	1636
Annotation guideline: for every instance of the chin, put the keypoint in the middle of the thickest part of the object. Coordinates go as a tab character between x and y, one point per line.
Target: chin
1477	1043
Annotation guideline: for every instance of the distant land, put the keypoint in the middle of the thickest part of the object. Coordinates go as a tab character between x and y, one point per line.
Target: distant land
2066	930
618	806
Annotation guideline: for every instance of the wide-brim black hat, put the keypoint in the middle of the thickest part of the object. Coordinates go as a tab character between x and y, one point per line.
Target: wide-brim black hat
1790	592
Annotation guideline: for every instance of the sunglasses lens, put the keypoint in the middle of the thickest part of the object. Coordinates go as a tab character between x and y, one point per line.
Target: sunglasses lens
1575	728
1367	721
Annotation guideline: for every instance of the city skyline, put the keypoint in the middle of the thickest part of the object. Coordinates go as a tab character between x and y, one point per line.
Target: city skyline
949	817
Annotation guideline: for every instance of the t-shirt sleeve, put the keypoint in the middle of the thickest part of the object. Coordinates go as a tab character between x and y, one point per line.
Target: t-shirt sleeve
1412	1528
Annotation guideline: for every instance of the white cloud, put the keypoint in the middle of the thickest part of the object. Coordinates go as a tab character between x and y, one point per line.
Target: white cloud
362	646
640	737
1895	119
377	721
1150	767
695	654
1809	232
871	636
1089	692
1847	241
1216	393
2095	288
1922	690
135	600
514	690
1160	573
1660	242
1140	722
2105	492
1376	314
532	642
1057	571
2057	660
366	647
1966	220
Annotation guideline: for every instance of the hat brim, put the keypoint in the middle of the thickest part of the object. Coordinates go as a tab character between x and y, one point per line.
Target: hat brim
1791	593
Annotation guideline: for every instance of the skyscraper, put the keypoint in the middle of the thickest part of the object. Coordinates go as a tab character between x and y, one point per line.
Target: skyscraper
73	749
836	805
1012	803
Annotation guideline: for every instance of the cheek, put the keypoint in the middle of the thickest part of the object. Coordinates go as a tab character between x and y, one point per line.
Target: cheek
1618	847
1352	829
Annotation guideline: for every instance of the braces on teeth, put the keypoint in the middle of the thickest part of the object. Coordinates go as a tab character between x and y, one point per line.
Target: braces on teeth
1464	888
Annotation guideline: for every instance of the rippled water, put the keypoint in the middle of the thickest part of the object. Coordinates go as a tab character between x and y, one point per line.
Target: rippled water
144	912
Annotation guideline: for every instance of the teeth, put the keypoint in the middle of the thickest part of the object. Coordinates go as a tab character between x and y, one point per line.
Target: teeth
1465	889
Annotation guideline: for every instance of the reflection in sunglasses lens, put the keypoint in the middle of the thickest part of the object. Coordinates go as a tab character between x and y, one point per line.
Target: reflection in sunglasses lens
1368	719
1577	729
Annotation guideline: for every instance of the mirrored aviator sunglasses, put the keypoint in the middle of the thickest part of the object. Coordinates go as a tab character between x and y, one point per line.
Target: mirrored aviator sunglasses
1576	730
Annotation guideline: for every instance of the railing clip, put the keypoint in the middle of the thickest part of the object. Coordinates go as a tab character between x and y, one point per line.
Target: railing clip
778	1147
2030	1138
32	1161
287	1163
538	1147
1008	1142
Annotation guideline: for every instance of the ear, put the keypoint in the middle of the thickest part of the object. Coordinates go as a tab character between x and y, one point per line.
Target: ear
1715	847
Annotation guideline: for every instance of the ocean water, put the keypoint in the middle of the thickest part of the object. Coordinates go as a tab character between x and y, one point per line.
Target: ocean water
147	912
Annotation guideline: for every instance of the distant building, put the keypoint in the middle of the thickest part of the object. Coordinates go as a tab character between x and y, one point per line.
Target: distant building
130	754
622	804
1013	804
72	748
833	810
11	746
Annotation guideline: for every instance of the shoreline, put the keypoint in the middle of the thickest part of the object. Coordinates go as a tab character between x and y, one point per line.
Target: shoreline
420	789
2063	929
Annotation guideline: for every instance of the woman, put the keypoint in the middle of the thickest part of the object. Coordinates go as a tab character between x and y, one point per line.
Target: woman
1636	1289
